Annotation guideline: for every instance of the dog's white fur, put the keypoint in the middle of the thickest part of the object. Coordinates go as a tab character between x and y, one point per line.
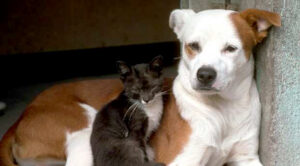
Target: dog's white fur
225	122
78	147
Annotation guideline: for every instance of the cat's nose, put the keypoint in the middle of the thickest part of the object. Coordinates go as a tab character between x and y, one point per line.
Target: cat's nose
146	99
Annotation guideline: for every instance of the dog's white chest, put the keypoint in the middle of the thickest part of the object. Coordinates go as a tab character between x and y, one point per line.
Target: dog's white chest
219	128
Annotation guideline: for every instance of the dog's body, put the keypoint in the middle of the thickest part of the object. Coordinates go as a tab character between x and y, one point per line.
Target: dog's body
213	117
215	89
224	119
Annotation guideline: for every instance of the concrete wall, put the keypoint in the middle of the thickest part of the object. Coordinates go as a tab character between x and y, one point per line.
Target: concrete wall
278	78
28	26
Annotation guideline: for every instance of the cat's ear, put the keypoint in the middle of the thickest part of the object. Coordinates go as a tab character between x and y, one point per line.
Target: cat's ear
156	64
123	69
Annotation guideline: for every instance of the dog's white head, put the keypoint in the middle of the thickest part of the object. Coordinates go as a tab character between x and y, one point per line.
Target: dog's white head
217	46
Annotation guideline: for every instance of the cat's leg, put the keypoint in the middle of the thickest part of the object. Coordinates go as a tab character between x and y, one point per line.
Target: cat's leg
150	153
143	143
146	157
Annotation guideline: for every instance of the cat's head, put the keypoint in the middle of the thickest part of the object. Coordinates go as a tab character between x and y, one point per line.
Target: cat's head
142	82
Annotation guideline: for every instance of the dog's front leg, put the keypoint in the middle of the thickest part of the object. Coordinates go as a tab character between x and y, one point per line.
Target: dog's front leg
250	162
193	156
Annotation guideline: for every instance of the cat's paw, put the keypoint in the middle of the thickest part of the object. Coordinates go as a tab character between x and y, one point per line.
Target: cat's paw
150	153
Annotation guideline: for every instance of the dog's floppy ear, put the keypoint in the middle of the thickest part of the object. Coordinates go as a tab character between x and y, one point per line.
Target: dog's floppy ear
260	21
178	18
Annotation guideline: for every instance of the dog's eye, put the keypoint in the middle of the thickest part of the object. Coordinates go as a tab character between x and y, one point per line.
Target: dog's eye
230	48
194	46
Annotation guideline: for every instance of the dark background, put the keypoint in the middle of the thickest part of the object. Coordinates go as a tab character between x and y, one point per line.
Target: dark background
45	42
52	40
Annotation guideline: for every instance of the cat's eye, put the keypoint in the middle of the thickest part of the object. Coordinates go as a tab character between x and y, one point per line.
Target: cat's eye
156	89
135	95
230	48
195	46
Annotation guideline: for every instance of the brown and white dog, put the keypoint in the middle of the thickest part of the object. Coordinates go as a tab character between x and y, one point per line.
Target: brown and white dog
212	118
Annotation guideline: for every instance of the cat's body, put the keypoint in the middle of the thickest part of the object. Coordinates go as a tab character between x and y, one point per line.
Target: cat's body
121	129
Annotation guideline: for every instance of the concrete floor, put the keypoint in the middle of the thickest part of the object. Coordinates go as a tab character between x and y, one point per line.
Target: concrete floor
18	98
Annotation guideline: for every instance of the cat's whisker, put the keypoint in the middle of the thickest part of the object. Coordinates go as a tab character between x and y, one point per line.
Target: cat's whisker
133	111
159	95
163	93
128	110
168	90
177	58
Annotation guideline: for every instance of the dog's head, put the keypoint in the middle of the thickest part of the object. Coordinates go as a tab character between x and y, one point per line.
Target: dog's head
217	45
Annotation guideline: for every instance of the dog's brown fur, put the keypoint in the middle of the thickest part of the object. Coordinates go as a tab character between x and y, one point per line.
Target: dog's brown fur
41	131
246	26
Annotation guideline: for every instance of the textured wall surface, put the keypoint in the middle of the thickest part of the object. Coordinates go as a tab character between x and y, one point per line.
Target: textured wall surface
278	78
28	26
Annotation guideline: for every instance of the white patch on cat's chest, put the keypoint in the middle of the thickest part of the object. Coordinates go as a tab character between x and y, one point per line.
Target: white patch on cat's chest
154	112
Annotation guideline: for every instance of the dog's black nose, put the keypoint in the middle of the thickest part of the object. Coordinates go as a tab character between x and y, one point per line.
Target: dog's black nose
206	75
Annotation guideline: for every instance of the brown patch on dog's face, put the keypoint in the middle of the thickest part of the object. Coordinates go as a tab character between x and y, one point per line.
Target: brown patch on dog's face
189	51
192	49
245	33
252	26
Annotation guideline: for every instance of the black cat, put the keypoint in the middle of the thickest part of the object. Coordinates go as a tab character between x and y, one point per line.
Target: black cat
121	128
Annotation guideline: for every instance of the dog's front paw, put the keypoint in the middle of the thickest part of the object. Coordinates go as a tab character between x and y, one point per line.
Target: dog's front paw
177	163
173	164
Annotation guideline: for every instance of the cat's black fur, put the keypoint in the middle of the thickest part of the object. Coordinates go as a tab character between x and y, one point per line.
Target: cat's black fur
119	131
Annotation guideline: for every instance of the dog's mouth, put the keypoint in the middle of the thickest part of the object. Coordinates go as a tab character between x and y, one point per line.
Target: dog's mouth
202	88
207	89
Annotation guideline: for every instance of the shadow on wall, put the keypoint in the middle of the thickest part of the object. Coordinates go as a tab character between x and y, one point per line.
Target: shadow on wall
29	26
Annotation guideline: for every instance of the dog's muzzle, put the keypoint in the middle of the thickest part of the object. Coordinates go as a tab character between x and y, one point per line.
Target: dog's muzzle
206	77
